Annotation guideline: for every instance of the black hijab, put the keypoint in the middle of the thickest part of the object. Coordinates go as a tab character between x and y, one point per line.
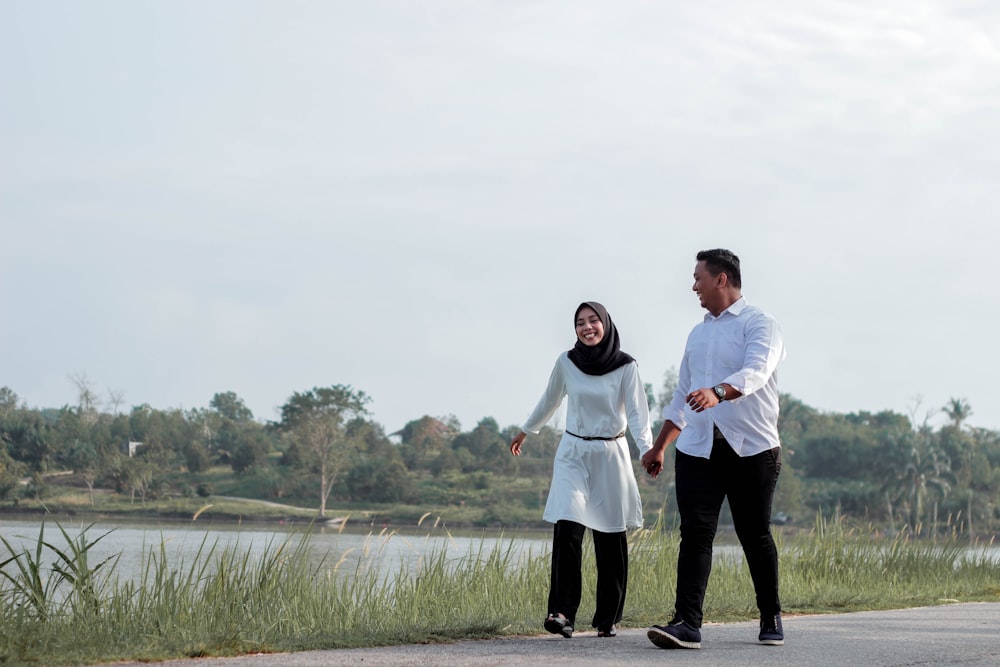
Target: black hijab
604	357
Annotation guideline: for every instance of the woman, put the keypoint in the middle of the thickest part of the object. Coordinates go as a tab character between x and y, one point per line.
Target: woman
593	484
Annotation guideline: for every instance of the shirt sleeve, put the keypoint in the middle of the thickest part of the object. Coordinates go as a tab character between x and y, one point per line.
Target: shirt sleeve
763	351
636	408
549	402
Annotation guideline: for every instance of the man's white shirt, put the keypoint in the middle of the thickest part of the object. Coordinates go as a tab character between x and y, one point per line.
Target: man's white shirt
741	347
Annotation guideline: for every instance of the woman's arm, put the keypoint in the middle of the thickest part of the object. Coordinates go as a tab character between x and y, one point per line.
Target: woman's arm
546	407
636	408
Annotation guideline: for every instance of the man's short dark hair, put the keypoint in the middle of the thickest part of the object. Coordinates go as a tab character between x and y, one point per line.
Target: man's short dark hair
725	261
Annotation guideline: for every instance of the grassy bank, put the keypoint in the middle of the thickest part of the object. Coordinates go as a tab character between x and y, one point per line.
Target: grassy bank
72	502
106	504
60	608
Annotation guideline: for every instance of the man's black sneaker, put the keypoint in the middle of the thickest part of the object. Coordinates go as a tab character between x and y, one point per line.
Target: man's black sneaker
771	633
676	634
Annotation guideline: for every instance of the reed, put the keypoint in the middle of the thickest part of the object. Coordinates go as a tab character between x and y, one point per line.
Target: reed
58	608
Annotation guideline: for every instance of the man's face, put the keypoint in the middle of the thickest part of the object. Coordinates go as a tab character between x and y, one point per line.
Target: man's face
708	288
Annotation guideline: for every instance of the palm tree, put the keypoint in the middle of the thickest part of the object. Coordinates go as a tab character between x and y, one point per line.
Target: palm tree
958	410
924	471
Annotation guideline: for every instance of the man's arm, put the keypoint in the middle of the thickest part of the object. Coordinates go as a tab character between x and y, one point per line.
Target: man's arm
707	397
763	350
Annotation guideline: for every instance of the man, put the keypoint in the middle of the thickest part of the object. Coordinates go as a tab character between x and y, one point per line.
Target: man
724	417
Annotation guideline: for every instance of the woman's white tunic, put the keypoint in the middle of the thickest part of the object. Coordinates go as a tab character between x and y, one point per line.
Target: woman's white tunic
593	482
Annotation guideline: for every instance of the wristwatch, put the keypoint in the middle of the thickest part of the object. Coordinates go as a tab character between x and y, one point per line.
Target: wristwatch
720	391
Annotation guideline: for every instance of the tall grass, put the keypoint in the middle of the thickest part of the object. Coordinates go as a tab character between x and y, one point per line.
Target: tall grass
57	608
835	568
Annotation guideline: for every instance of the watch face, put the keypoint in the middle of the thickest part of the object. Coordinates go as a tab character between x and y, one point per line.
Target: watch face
720	391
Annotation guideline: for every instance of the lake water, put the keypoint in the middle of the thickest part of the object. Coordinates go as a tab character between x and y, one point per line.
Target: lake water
351	548
386	551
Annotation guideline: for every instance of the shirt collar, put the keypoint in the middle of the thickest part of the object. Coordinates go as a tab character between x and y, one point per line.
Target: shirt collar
735	308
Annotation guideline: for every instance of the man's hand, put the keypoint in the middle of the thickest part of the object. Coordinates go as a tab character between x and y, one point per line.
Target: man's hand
702	399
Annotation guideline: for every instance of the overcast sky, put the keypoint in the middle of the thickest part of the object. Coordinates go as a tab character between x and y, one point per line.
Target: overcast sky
411	198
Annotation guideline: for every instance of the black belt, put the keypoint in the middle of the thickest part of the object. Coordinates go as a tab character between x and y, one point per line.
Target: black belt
717	434
599	437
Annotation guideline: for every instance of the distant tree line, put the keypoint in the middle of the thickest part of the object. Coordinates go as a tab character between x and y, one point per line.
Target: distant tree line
896	470
885	468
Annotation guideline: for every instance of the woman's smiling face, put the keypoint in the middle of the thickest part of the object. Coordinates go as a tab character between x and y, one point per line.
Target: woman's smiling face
589	327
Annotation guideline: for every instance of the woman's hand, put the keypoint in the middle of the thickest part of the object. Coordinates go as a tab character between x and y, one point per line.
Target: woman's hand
515	444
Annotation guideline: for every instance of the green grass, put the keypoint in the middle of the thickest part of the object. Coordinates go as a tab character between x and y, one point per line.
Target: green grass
58	608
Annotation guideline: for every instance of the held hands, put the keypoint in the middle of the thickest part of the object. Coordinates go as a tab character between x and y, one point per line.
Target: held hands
515	444
652	462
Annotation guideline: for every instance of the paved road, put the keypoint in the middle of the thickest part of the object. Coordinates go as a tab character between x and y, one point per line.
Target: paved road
958	634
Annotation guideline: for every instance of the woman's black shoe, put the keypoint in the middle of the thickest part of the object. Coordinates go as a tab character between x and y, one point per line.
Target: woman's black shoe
558	624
